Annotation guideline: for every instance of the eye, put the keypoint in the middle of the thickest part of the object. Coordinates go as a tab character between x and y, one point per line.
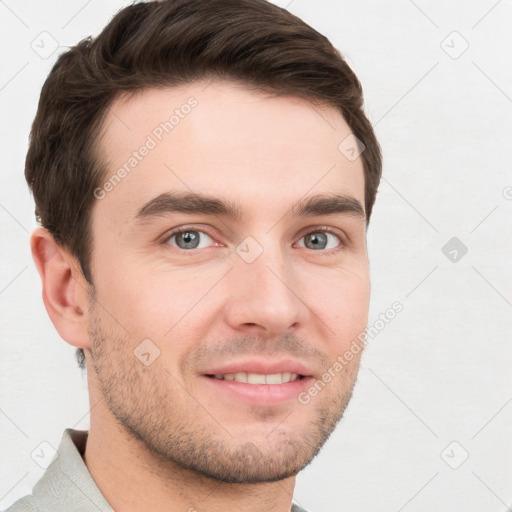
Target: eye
321	240
191	239
188	239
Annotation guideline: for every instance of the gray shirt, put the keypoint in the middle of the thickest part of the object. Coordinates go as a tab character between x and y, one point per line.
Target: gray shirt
67	485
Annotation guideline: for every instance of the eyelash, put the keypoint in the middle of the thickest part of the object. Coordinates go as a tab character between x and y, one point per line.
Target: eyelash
322	229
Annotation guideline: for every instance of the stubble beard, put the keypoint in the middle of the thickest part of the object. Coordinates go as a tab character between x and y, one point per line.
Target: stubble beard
151	408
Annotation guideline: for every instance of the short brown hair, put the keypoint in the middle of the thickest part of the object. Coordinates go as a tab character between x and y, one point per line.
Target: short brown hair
164	44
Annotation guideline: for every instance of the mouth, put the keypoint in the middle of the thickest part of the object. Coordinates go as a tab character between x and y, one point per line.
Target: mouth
259	383
258	378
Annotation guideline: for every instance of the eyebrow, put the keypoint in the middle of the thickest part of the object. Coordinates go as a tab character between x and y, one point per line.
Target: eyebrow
197	204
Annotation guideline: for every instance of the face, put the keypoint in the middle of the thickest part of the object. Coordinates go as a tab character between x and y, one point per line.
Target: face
230	276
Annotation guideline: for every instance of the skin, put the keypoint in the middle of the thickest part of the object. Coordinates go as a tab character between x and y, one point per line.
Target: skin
161	438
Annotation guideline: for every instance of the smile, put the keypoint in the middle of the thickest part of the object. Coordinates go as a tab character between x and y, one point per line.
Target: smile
258	378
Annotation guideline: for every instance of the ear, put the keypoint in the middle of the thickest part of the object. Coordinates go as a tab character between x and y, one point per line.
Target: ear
65	290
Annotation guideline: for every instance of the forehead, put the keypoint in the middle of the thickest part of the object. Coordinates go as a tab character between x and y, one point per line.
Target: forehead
225	140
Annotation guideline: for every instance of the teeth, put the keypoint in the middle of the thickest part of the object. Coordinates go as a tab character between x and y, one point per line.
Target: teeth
240	377
276	378
258	378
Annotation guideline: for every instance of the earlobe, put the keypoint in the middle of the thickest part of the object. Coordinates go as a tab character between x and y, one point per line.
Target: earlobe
65	290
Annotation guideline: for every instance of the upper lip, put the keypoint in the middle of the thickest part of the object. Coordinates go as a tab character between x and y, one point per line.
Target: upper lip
262	367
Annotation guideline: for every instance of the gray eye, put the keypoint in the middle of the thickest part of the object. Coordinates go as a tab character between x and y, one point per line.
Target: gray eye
319	240
189	239
315	241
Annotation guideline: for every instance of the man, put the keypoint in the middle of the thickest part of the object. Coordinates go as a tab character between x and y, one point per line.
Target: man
204	175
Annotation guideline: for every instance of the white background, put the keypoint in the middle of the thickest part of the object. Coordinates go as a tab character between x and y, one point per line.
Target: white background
440	371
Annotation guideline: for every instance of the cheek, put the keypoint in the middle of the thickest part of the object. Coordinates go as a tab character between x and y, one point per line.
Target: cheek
152	300
344	304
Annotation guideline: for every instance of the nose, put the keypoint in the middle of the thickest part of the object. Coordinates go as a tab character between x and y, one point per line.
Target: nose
265	296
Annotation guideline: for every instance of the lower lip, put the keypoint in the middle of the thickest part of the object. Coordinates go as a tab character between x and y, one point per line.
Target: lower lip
260	394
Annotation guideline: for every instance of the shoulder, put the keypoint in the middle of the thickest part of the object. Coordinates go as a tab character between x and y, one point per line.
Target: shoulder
295	508
25	504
